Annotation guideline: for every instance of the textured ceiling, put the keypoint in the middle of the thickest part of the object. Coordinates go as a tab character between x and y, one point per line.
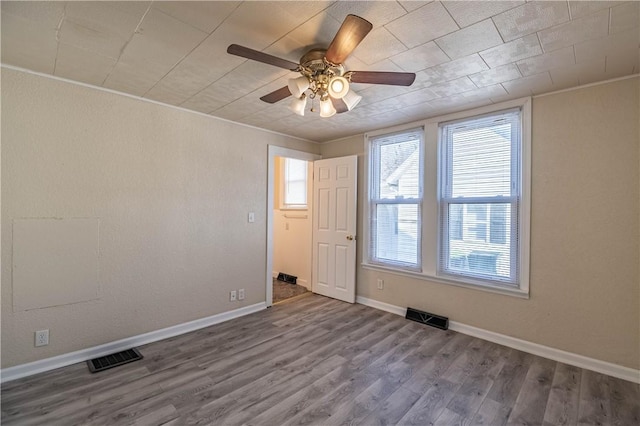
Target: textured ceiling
465	54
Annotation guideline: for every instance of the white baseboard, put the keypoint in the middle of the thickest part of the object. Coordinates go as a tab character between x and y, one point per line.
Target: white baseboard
570	358
24	370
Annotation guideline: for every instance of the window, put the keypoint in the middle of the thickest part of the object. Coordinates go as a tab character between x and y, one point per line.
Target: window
449	202
480	183
395	199
294	193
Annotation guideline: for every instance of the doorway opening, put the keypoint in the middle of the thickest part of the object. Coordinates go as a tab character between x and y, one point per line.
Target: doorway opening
289	223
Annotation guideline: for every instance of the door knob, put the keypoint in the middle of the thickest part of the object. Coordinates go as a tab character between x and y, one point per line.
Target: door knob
351	237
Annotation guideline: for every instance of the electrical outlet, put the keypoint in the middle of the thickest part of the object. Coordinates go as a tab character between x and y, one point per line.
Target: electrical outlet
380	284
232	296
42	337
241	294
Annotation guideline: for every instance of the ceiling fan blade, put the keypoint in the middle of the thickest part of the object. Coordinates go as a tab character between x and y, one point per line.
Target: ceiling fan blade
339	105
383	77
351	33
255	55
277	95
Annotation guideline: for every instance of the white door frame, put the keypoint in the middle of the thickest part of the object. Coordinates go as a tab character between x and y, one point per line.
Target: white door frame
277	151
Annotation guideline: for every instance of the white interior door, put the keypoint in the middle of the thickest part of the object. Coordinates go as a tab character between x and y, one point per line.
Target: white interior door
334	227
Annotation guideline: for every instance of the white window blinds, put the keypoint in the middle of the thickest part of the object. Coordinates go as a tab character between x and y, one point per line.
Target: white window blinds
395	198
480	197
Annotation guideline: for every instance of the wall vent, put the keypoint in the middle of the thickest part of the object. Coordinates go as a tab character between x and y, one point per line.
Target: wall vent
113	360
291	279
427	318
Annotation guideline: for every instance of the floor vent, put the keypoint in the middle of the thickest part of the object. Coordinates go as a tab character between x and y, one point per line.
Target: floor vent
427	318
113	360
291	279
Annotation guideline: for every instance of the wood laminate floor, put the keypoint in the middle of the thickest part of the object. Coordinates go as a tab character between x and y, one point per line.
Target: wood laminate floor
315	360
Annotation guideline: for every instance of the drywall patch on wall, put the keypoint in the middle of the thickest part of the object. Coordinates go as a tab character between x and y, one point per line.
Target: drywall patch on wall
55	262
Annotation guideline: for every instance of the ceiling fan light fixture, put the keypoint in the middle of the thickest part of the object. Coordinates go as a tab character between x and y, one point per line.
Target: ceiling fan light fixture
338	87
351	99
297	86
326	108
298	105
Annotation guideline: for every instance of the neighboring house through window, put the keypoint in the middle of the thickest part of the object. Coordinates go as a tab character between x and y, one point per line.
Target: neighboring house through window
449	201
395	199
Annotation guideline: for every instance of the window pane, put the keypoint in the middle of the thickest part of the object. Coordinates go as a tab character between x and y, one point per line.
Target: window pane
396	233
399	172
484	246
481	161
295	185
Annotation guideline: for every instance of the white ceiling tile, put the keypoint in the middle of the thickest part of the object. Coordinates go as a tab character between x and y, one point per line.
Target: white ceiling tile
240	108
318	32
625	17
419	111
206	64
82	65
377	92
416	97
496	75
447	105
28	44
104	27
453	87
160	43
462	67
585	72
471	39
248	24
531	17
556	59
576	31
377	12
204	15
469	12
130	79
422	25
421	57
620	44
46	13
494	92
619	66
205	101
512	51
378	45
165	94
582	8
529	85
174	59
411	5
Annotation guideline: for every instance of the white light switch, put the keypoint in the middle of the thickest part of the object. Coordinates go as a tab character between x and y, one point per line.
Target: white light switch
252	217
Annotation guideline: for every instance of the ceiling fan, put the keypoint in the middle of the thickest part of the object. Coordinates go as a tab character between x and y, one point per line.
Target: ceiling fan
323	75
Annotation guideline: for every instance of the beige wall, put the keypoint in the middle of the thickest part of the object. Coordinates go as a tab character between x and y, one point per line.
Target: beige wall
585	282
292	235
172	190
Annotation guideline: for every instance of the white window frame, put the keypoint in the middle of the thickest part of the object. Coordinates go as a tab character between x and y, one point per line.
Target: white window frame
445	176
283	186
430	208
374	201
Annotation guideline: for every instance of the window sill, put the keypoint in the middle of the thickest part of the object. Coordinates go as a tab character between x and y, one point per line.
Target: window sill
474	285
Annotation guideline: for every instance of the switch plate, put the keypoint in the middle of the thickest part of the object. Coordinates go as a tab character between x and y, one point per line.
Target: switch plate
380	284
232	296
241	294
251	217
